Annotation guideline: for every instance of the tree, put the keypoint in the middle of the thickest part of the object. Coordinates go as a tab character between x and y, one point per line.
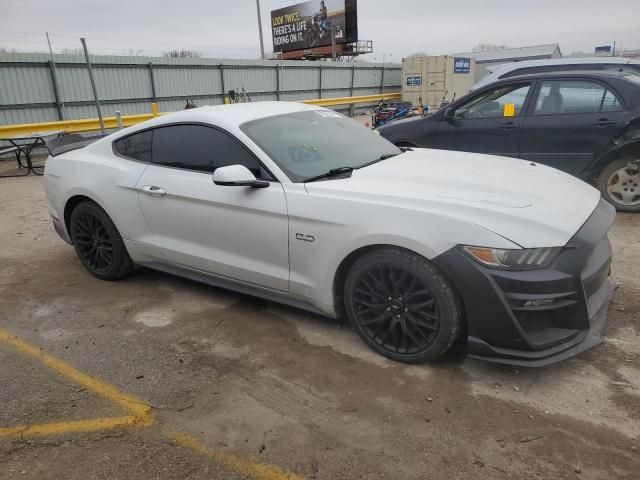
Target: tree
489	47
418	55
73	51
578	54
182	53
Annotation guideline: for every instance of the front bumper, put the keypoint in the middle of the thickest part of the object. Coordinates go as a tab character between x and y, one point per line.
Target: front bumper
572	297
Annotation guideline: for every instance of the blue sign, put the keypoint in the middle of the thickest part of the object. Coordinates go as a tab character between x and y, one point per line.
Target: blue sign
414	81
461	65
604	49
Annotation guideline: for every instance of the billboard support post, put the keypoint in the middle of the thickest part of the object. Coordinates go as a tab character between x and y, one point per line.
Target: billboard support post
333	43
260	30
320	81
277	82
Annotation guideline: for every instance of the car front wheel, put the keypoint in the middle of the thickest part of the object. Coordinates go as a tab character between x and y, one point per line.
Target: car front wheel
619	183
98	243
401	305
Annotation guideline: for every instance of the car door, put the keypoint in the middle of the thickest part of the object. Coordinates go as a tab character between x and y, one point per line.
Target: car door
486	123
239	233
571	121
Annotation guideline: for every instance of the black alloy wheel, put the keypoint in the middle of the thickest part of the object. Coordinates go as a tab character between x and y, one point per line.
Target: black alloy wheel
402	306
95	245
98	243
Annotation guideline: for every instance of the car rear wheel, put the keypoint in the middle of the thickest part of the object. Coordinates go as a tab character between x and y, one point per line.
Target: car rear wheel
401	305
98	243
619	183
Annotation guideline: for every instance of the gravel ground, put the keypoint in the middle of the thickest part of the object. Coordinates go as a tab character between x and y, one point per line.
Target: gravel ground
275	385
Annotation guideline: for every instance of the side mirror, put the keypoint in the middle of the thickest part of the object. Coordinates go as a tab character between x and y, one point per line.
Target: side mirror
449	114
237	176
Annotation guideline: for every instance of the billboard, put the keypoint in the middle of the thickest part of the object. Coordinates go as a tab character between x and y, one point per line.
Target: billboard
309	24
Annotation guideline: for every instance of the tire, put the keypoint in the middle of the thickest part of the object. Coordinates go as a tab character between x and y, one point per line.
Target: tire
97	242
313	38
619	184
392	282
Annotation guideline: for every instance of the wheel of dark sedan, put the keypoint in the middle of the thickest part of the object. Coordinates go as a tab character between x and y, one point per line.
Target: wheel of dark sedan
402	306
619	183
98	243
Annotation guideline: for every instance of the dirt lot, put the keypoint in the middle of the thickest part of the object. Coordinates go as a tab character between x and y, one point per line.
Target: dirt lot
234	383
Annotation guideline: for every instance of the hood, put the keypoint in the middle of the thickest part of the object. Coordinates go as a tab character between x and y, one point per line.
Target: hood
529	204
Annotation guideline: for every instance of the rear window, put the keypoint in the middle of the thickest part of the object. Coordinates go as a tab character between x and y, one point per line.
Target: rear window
135	147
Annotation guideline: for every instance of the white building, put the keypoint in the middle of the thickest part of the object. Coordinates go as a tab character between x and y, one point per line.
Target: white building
507	55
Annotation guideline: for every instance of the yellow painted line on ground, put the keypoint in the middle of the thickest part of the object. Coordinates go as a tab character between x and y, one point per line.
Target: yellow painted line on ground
140	413
256	471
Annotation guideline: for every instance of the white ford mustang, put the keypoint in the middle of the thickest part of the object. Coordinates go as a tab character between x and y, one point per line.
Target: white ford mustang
302	205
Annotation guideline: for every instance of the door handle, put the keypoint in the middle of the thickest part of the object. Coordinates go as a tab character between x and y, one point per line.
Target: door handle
603	122
510	126
153	190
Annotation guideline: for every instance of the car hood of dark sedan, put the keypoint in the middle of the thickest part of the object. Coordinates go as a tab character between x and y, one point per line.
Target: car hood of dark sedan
527	203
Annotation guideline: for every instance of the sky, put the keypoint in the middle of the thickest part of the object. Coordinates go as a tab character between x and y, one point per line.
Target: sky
228	28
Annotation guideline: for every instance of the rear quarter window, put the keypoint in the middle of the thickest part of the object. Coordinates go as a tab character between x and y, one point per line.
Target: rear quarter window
135	147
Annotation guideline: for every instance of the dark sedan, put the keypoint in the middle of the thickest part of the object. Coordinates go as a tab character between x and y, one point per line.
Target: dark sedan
584	123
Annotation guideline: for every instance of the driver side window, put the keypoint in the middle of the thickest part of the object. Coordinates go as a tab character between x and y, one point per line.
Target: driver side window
201	148
492	104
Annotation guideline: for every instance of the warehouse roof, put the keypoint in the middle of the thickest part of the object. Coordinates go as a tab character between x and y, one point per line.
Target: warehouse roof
536	51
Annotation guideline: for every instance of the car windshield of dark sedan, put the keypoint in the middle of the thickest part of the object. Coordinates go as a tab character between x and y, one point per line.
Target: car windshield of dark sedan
311	143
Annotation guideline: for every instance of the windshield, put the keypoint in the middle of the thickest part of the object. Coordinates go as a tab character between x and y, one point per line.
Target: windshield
311	143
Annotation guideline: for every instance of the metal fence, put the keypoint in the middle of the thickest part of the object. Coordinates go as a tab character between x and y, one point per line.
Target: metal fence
32	90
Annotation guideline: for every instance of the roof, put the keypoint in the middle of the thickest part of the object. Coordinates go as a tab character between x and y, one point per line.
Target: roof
571	73
497	71
239	113
628	81
536	51
229	116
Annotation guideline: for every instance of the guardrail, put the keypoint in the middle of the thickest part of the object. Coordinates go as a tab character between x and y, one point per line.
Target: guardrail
332	102
92	124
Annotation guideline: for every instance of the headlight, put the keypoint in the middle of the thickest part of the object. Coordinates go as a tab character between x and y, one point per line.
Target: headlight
516	259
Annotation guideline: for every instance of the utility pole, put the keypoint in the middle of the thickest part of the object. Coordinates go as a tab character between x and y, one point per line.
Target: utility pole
260	30
56	84
93	84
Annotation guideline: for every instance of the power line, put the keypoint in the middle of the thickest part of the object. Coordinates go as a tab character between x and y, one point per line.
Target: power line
129	41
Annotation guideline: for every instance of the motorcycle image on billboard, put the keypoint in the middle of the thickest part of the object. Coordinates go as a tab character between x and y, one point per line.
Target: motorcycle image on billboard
309	24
